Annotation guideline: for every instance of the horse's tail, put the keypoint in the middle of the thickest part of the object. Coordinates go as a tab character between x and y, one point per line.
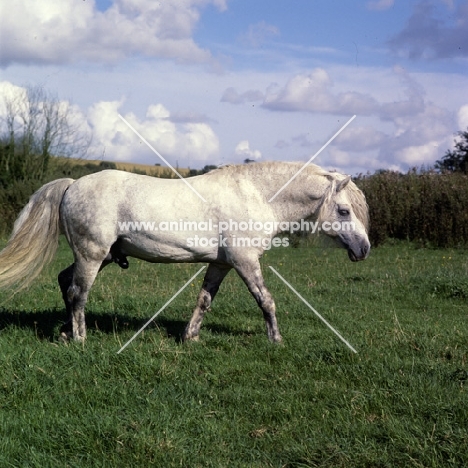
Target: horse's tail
34	240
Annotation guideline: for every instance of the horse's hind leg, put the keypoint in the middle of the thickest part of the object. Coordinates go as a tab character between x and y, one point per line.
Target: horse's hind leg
75	283
251	274
213	278
65	278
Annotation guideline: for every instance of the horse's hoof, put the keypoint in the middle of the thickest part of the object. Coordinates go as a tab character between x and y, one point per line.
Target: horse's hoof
64	338
191	338
67	337
276	339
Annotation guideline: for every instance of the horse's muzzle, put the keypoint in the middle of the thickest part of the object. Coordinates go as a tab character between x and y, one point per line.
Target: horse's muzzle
360	253
358	249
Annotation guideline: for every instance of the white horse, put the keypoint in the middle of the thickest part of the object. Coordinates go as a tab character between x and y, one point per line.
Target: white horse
95	215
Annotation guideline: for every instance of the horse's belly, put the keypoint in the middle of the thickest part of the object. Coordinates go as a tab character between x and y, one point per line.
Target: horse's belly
162	250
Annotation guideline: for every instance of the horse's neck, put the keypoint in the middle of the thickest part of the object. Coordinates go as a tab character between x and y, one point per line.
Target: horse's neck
301	199
297	210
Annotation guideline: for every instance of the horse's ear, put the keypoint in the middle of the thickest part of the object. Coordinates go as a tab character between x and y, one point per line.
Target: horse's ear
342	184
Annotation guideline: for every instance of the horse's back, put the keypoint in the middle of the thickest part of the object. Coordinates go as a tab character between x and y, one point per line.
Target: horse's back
96	205
108	190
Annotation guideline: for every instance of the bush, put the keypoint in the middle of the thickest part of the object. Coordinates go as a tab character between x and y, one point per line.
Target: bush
424	207
12	200
15	192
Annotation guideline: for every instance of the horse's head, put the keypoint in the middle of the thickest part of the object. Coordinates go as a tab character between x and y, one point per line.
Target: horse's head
344	216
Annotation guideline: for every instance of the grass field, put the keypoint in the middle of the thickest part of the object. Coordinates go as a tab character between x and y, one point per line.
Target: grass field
234	399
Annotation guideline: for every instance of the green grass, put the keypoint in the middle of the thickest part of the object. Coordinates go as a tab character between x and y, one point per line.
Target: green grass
234	399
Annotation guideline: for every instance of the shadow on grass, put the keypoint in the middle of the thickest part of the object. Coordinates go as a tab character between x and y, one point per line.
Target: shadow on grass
218	329
43	322
46	323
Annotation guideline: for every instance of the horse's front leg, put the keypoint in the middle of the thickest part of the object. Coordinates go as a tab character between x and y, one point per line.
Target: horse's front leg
213	278
251	273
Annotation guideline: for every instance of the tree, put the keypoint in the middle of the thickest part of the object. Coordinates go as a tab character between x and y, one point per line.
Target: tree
208	168
34	127
457	159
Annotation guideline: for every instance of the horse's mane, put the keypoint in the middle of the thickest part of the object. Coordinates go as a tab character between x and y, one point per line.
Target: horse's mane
265	167
358	203
355	195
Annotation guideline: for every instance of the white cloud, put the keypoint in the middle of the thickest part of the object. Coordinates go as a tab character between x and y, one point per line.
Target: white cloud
157	111
408	130
337	158
380	5
412	105
418	155
463	117
191	142
360	138
233	97
259	33
426	35
64	31
312	93
433	123
342	160
8	92
189	117
244	151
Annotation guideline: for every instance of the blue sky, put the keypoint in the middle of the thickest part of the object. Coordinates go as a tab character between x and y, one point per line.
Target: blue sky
219	81
343	26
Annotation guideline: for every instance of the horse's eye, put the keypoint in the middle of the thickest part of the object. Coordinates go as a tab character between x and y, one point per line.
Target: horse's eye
343	212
